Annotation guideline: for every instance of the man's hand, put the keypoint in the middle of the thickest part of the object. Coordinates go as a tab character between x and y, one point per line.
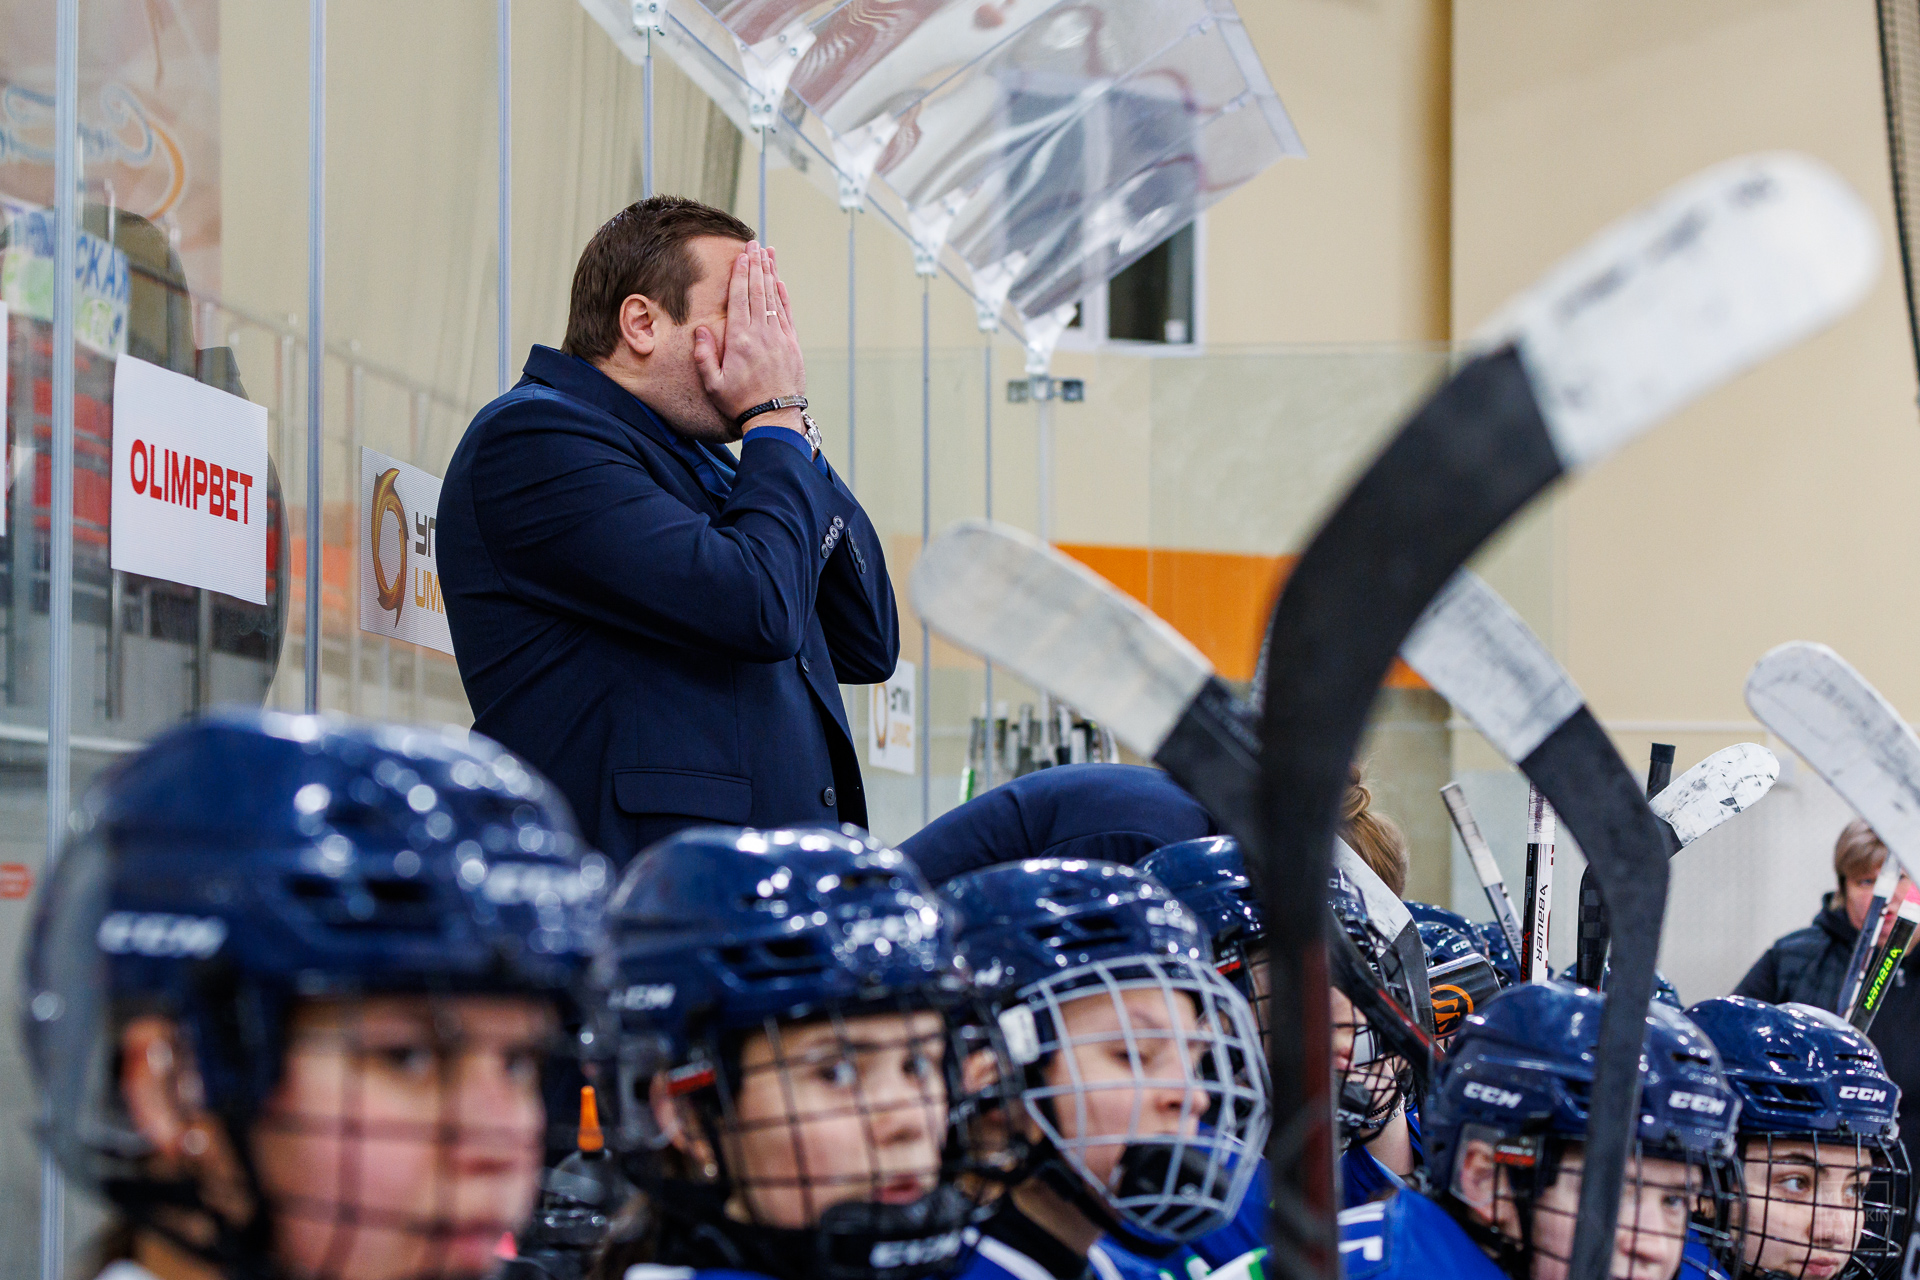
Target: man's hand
761	358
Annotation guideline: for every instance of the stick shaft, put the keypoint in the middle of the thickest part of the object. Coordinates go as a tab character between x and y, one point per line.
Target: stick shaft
1540	833
1484	866
1873	992
1862	957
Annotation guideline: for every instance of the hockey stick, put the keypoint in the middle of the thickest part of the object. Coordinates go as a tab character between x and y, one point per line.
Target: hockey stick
1479	655
1886	963
1731	266
1862	957
1535	932
1485	869
1586	350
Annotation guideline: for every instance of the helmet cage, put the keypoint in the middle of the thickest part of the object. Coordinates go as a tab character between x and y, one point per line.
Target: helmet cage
1866	1220
1164	1188
857	1228
1705	1227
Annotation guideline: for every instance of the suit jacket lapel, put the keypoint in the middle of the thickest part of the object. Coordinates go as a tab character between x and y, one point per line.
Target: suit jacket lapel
576	378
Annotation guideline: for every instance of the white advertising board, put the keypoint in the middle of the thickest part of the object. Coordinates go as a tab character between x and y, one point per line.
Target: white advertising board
890	724
399	550
6	360
189	482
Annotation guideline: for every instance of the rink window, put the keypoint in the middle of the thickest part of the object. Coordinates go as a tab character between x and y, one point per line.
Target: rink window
1153	302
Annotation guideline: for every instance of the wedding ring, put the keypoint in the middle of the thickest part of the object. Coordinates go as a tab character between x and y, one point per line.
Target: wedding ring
773	315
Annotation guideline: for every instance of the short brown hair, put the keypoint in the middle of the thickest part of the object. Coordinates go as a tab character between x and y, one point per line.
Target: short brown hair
641	249
1374	836
1858	852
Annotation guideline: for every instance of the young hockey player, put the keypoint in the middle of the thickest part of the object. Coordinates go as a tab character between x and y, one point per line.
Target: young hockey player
797	1036
1504	1132
1828	1191
1145	1081
288	994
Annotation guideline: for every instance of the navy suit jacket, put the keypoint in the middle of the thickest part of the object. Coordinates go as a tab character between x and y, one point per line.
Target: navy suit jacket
666	658
1108	812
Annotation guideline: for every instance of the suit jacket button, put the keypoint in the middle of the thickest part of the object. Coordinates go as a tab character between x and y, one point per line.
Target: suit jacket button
826	797
804	666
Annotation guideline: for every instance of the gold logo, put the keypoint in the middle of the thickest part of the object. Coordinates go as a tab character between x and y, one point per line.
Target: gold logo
391	595
1451	1005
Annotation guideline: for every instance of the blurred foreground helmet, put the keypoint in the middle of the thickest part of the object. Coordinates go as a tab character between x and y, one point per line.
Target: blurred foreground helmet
1081	957
251	861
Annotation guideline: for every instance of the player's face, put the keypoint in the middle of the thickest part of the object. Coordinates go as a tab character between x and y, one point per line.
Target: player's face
1656	1200
1805	1205
405	1136
1129	1069
836	1111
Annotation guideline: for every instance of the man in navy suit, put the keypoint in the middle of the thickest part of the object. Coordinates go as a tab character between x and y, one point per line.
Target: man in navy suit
658	625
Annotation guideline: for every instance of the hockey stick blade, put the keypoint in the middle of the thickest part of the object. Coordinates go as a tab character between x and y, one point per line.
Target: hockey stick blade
1817	704
1723	786
1485	869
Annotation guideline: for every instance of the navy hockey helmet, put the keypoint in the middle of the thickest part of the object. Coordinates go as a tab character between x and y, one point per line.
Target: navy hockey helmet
1209	876
1078	955
252	860
1517	1078
1827	1177
741	957
1495	947
1460	977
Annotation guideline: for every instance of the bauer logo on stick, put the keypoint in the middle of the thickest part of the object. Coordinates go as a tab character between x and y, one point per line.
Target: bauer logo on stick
158	934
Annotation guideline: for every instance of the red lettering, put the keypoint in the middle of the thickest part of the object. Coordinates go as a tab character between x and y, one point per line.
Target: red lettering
178	477
246	498
199	482
232	476
137	475
217	492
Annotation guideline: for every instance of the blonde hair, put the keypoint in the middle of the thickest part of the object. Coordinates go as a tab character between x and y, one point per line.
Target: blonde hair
1374	836
1858	852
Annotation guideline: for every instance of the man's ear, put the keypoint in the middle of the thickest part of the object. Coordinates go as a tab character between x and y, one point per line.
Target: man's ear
638	317
1474	1176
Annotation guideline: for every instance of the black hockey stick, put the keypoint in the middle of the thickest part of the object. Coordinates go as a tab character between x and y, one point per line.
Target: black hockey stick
1479	655
1584	353
1724	270
1886	962
1593	929
1484	659
1011	598
1862	958
1485	869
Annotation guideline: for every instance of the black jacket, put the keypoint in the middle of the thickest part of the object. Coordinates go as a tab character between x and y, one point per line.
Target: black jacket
1808	966
664	657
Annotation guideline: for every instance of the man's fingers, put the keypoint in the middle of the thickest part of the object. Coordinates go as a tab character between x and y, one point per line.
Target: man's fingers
706	358
737	288
756	284
786	307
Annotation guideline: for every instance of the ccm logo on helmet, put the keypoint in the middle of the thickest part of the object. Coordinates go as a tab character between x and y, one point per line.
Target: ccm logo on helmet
1703	1103
155	933
1498	1097
644	998
914	1253
512	882
1862	1093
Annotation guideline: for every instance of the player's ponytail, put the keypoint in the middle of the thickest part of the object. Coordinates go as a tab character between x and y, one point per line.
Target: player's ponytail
1374	836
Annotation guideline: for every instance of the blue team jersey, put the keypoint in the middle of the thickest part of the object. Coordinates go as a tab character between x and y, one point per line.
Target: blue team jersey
1248	1229
1410	1236
997	1260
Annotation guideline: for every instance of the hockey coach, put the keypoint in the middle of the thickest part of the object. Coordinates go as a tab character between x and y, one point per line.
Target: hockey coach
657	623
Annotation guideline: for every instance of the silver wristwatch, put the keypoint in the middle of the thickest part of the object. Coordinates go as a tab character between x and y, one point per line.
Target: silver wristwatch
813	432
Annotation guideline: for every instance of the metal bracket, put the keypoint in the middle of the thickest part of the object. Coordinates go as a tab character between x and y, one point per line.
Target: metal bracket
1040	387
